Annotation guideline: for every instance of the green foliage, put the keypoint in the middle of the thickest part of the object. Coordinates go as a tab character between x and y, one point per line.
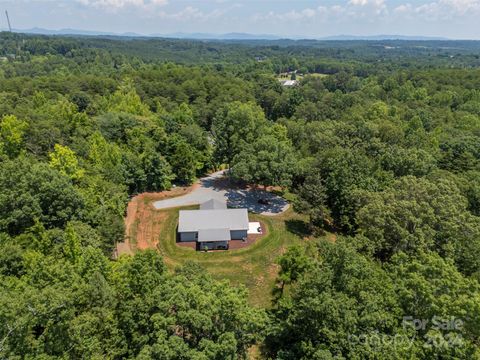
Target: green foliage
126	99
344	295
431	288
72	248
417	215
65	161
12	133
268	160
349	306
345	173
105	204
235	126
133	309
183	161
384	151
32	190
312	199
106	158
293	264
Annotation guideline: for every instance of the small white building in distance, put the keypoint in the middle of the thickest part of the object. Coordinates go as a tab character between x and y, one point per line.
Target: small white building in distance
290	83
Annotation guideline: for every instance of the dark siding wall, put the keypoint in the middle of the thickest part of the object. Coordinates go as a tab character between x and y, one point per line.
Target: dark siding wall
188	236
238	234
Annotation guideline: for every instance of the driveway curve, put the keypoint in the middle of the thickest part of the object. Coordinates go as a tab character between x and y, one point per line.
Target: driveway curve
217	186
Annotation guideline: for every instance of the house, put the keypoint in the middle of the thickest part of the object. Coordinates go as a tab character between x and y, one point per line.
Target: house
290	83
213	204
213	226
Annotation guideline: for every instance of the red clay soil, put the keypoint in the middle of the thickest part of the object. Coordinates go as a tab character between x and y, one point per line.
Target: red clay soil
142	223
234	244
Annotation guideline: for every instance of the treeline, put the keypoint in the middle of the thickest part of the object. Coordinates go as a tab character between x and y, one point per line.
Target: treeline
387	156
311	56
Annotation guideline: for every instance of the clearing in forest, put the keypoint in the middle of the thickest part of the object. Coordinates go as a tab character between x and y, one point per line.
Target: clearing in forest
253	266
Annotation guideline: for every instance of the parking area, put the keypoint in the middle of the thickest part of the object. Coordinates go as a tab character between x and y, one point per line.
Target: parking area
216	186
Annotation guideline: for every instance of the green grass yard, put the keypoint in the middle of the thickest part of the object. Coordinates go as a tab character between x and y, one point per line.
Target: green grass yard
299	77
253	266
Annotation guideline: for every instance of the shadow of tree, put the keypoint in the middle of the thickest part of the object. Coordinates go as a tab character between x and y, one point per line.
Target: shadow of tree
249	199
298	227
277	292
237	195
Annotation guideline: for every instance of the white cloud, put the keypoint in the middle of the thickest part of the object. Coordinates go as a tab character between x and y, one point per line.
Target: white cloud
352	9
440	9
290	15
191	13
119	4
375	10
377	7
358	2
403	8
461	7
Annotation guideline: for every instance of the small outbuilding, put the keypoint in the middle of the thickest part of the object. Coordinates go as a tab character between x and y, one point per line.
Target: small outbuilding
290	83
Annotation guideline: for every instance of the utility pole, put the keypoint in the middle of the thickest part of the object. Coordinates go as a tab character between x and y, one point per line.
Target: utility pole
17	50
8	20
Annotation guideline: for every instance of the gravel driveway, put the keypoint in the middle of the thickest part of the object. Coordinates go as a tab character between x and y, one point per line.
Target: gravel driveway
216	186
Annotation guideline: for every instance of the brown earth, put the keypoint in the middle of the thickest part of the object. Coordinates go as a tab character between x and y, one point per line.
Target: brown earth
143	222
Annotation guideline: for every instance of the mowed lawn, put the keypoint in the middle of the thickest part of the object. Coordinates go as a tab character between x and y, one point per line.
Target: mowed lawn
254	266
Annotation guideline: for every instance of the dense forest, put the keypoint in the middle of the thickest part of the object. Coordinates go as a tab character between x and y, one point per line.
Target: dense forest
379	144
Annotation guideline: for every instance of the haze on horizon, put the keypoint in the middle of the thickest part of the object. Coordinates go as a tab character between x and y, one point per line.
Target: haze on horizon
455	19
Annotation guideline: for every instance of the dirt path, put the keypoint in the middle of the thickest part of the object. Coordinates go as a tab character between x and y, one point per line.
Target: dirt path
142	222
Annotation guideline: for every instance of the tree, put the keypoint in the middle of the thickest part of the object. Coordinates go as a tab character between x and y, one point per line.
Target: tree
293	264
72	248
418	215
126	99
405	162
346	172
235	126
32	190
460	153
12	133
134	308
431	289
269	161
65	161
343	296
104	210
312	200
183	161
106	158
157	170
147	170
472	192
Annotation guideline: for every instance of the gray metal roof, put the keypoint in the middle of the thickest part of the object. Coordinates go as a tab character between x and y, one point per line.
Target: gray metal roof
213	204
195	220
214	235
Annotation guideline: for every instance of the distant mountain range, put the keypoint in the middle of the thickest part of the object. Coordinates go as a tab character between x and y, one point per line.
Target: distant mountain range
227	36
177	35
382	37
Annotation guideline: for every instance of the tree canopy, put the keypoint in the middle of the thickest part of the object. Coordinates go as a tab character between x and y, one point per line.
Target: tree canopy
376	146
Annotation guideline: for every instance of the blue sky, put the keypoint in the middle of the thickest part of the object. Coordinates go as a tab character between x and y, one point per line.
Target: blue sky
447	18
